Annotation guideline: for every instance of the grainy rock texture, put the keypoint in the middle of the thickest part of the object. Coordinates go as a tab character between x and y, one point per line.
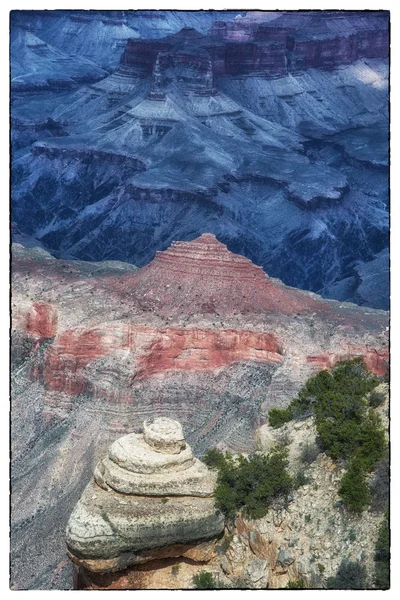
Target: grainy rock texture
309	537
160	515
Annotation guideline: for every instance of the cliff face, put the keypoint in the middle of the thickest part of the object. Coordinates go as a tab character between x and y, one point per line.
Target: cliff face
155	351
245	46
309	539
196	309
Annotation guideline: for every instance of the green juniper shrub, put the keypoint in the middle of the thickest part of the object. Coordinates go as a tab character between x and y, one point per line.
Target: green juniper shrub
216	459
338	433
348	428
376	398
309	453
354	489
337	400
204	581
278	417
349	576
321	568
371	440
297	584
249	484
300	479
382	556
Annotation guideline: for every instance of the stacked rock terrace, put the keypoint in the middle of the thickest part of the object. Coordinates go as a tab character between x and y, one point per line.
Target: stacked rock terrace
155	463
150	492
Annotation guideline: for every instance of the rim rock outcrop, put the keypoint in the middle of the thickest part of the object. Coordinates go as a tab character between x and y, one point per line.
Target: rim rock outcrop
150	499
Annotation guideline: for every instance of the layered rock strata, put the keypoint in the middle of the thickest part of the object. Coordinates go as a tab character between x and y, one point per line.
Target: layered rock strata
150	498
274	48
200	334
196	309
284	44
190	125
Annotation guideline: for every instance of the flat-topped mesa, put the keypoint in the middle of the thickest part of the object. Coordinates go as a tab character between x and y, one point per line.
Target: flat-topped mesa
149	498
203	276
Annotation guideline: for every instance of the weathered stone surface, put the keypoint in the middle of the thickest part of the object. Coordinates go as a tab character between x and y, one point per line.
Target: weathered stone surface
135	464
258	544
105	525
132	452
194	481
256	575
284	559
84	387
166	319
265	438
308	539
124	515
201	552
164	435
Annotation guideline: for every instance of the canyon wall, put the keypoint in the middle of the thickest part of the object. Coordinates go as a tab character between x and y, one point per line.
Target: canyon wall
238	47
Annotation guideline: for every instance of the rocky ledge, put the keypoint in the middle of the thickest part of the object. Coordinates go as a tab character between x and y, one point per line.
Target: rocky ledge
150	499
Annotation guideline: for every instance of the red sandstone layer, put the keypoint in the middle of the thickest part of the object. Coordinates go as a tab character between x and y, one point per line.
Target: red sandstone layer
154	351
376	360
196	307
41	320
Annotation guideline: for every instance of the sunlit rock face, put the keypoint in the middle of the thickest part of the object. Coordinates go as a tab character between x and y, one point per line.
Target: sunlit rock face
150	499
270	133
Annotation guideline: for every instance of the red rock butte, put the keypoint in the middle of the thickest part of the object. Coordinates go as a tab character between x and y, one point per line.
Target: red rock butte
203	277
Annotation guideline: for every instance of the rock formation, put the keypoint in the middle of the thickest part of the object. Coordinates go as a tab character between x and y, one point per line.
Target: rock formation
244	46
305	540
196	309
254	136
37	66
150	499
230	283
309	539
200	334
